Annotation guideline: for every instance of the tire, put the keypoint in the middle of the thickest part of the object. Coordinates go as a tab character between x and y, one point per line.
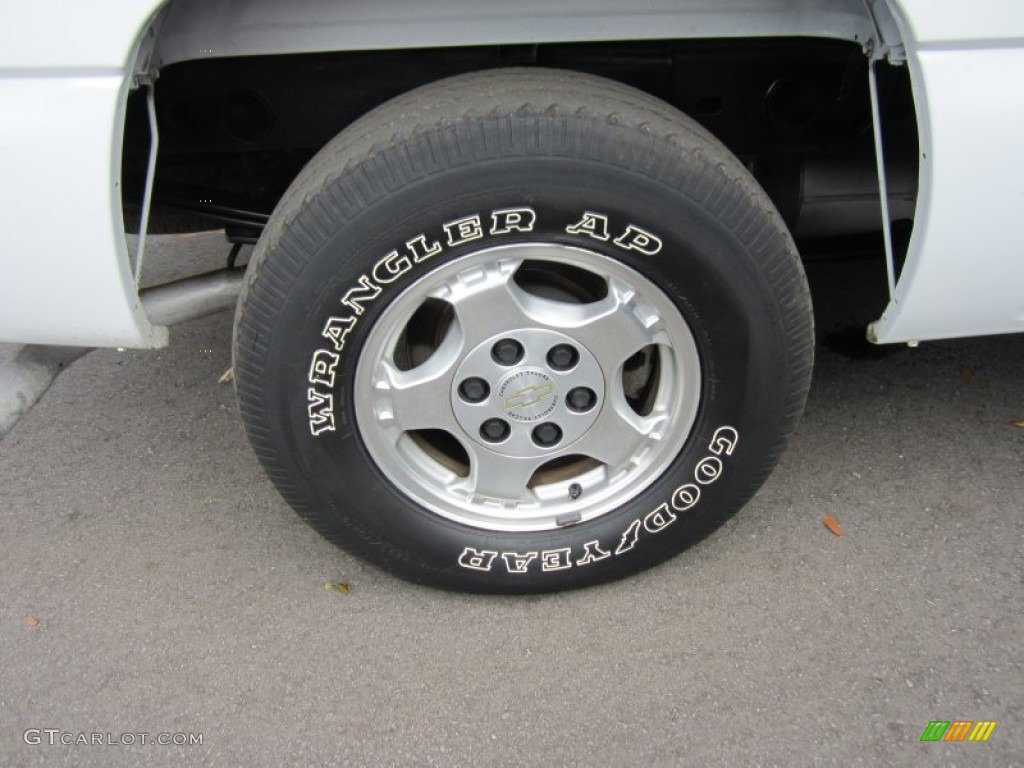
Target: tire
520	331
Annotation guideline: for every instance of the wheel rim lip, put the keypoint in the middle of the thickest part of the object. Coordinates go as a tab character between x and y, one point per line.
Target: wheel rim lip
409	468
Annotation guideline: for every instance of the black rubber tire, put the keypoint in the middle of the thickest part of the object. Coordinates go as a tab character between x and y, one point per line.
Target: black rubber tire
562	143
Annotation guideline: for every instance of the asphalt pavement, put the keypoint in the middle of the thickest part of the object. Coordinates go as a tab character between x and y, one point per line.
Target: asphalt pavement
152	581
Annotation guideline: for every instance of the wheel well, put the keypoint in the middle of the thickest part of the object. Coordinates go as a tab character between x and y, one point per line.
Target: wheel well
235	131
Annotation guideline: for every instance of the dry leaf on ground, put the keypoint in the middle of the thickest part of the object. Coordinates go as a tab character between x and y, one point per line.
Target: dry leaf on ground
228	375
1017	422
337	586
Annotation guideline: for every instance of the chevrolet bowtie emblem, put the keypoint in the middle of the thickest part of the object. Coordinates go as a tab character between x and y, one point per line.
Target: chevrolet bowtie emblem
528	396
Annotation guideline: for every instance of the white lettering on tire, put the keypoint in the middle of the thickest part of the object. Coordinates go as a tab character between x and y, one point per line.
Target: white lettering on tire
592	224
336	329
477	559
420	251
685	497
390	268
629	537
556	559
706	472
636	239
595	226
592	552
724	441
365	292
397	263
512	219
517	563
463	230
321	370
660	519
321	412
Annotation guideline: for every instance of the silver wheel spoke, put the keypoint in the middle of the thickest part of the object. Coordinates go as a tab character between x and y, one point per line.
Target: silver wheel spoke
486	300
493	476
420	398
620	434
614	328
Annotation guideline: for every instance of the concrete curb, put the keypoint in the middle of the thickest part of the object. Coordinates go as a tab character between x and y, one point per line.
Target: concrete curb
25	374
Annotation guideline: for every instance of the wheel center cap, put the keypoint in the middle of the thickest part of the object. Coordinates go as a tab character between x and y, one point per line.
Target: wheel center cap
528	395
527	392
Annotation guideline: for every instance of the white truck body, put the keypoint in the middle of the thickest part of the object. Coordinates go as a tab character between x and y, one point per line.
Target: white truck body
67	277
